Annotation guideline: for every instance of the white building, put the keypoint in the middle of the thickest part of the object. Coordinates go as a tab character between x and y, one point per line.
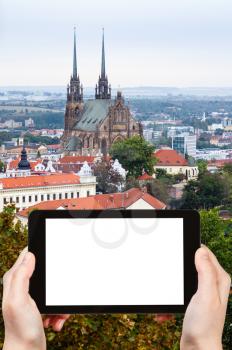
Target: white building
11	124
174	163
148	134
29	123
209	154
30	190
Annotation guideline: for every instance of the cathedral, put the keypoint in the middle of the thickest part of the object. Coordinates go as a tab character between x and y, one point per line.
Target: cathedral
92	126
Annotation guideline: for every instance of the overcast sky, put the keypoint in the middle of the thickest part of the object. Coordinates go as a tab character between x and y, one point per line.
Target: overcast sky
148	42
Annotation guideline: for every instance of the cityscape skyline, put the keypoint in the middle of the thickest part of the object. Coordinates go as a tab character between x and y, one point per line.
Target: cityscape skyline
153	44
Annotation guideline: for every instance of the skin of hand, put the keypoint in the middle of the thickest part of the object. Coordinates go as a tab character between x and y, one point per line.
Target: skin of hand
205	316
23	322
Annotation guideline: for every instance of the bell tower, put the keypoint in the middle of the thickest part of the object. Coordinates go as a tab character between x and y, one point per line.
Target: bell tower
74	94
103	89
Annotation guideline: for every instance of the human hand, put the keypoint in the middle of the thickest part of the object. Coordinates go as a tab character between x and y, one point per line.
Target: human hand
23	322
205	316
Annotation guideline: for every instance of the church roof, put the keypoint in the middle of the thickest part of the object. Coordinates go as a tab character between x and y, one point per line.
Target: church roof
74	143
94	112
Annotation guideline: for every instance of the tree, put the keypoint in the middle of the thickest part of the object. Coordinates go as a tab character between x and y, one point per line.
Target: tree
38	155
213	230
159	189
2	166
190	196
108	180
227	168
202	166
207	192
135	154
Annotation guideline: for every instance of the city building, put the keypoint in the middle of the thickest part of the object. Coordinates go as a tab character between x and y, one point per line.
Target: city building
217	164
148	134
29	123
215	126
211	153
175	130
134	198
31	190
185	144
92	126
11	124
174	163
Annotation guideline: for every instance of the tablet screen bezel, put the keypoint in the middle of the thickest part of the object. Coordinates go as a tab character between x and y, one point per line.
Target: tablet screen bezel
37	245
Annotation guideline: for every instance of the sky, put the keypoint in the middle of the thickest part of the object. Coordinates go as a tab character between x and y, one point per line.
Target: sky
148	42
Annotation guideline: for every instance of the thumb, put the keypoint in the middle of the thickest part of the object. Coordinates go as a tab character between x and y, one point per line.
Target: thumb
22	275
207	276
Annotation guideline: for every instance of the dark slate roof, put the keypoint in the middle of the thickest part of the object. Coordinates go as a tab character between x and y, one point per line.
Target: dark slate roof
74	143
94	112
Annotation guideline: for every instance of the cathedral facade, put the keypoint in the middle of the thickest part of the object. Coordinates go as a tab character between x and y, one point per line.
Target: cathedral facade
92	126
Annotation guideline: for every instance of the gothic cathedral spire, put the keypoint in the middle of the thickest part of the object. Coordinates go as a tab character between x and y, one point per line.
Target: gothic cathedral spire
75	89
103	63
74	56
103	89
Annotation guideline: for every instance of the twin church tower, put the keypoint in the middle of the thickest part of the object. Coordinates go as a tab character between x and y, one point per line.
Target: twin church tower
91	126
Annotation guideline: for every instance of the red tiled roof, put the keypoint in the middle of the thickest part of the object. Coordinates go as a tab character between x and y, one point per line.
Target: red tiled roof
40	181
100	201
14	164
54	146
169	157
77	159
220	162
145	176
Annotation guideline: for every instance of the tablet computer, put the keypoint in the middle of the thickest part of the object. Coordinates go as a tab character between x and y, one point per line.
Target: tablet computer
113	261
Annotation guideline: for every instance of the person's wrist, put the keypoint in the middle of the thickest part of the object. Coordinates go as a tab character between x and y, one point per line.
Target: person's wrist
16	344
197	344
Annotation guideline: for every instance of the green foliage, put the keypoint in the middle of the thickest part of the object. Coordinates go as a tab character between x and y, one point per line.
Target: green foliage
159	189
207	192
108	180
29	138
213	235
228	168
2	166
202	166
135	154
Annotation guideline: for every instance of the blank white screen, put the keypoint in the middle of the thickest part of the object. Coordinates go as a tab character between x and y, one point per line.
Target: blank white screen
83	268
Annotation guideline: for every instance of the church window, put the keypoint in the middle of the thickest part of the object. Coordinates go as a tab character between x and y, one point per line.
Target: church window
48	197
133	127
78	194
60	195
54	196
17	199
24	199
42	197
11	199
36	198
29	198
5	201
105	127
71	194
66	195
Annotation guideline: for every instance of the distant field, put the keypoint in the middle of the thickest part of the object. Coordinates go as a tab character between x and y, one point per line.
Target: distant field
23	109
